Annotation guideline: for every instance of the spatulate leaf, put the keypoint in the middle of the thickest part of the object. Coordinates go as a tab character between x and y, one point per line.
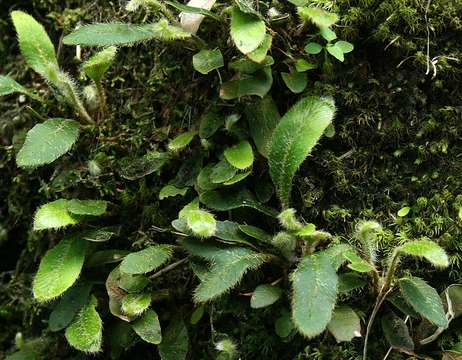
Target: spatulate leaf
247	31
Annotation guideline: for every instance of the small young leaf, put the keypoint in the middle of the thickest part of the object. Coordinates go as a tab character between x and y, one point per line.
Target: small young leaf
313	48
314	284
96	66
262	116
148	327
259	54
258	84
54	215
240	155
397	333
174	345
295	81
357	263
87	207
404	211
135	304
264	295
424	299
206	61
427	249
201	223
294	137
59	268
35	45
247	31
181	141
85	332
345	46
10	86
345	324
146	260
48	141
327	33
68	306
124	34
335	51
318	16
170	191
301	65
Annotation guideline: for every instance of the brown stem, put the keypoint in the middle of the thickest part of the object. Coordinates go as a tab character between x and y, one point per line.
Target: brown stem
168	268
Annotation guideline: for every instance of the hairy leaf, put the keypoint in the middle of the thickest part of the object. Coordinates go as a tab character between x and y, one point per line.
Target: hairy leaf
294	137
345	324
170	191
240	155
53	215
48	141
146	260
59	268
35	45
256	233
318	16
206	61
229	265
153	161
87	207
427	249
10	86
181	141
68	306
350	281
148	327
424	299
201	223
264	295
397	333
124	34
85	333
221	172
99	235
96	66
135	304
314	285
247	31
237	178
259	54
263	117
174	345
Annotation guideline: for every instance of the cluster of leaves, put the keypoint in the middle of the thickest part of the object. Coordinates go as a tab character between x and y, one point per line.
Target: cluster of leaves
223	164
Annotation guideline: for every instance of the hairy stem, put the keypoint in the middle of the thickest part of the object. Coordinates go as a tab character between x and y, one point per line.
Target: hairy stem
102	98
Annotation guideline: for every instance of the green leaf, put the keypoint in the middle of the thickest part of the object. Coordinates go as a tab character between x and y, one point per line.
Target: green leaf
104	257
258	84
48	141
124	34
454	293
228	200
96	66
35	45
87	207
133	169
146	260
246	66
397	333
295	81
193	10
229	232
307	230
99	235
318	16
345	324
229	265
221	172
294	137
335	254
174	345
262	117
68	306
327	33
210	123
424	299
237	178
135	304
357	263
181	141
201	223
264	295
148	327
10	86
170	191
247	31
259	54
345	46
314	284
240	155
301	65
53	215
85	333
59	268
197	315
206	61
284	325
313	48
256	233
427	249
404	211
350	281
335	51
